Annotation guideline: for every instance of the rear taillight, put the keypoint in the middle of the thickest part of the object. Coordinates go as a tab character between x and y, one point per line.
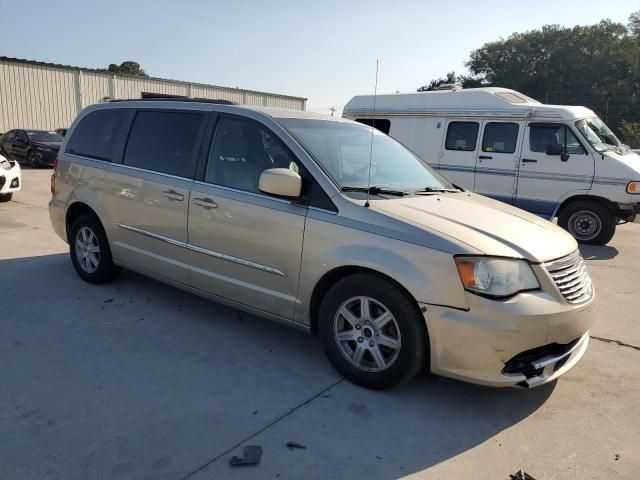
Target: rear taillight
53	176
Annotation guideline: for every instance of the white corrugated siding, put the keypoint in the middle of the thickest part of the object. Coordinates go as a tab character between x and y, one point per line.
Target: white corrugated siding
48	97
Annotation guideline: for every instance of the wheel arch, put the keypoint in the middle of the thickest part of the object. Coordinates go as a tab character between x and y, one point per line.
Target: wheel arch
608	204
75	210
335	275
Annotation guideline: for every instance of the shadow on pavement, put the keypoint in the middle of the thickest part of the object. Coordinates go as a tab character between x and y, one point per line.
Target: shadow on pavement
136	379
597	252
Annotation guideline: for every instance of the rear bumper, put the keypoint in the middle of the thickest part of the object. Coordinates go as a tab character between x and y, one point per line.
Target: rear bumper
527	341
10	180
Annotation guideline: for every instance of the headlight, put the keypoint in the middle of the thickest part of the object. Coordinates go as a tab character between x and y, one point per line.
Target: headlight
633	187
496	277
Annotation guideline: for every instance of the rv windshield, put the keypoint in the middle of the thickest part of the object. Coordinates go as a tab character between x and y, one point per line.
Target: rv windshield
342	149
596	132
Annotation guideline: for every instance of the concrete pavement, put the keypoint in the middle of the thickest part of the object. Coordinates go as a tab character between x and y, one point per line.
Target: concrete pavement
136	379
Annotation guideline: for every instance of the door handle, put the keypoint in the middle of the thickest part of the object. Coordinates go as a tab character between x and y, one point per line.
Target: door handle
485	157
173	195
529	160
206	203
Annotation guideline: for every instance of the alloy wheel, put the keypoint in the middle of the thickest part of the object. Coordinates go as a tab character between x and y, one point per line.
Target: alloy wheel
87	250
367	334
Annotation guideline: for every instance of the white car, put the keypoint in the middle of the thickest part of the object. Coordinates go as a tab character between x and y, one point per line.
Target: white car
10	179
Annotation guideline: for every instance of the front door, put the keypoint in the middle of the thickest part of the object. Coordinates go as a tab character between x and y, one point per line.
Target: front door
245	246
498	160
20	146
458	161
553	165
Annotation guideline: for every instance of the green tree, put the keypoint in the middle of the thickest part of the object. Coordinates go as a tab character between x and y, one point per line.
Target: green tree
630	132
128	68
597	66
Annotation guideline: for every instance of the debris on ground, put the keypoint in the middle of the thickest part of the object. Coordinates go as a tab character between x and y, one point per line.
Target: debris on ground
293	445
252	455
521	476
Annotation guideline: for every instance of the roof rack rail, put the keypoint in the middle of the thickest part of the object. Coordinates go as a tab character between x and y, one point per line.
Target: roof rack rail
173	99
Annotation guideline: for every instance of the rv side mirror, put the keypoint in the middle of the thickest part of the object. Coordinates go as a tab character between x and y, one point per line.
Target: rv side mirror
554	149
281	182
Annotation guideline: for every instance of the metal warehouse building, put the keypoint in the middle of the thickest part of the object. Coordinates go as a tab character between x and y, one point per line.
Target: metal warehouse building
36	95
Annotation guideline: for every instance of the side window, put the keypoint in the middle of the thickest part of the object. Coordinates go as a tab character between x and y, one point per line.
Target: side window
381	124
500	137
559	137
96	134
241	150
462	136
20	135
164	142
9	136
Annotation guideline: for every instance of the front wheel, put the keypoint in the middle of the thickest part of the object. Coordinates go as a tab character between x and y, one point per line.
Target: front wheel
90	252
373	332
32	159
588	221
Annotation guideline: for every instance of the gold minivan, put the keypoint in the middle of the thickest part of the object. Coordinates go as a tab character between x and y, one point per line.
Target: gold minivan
327	225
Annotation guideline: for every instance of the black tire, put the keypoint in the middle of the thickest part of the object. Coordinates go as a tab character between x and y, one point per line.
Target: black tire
32	159
413	352
6	197
106	270
588	221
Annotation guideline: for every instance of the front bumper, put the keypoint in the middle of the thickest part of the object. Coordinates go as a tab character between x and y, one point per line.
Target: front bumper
629	212
10	180
46	157
480	345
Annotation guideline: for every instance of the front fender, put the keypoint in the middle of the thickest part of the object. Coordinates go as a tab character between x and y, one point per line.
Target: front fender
429	275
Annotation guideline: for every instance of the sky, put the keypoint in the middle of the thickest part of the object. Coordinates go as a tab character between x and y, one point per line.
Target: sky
323	50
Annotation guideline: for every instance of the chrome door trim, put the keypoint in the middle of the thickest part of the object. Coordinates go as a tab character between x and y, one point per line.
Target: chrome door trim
204	251
240	261
153	235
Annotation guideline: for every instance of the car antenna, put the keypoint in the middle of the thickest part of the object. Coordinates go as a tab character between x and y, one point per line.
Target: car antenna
373	123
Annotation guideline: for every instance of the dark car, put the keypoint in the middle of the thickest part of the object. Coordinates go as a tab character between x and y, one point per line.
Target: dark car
34	147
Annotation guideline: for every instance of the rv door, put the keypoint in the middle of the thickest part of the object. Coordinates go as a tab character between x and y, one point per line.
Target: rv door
497	159
460	145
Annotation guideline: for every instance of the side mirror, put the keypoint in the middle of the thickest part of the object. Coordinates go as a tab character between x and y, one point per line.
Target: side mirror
554	149
281	182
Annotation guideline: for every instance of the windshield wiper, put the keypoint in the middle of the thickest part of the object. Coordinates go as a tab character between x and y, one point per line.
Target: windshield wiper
374	190
437	190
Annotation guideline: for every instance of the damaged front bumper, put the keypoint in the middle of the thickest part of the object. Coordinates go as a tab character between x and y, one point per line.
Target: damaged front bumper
525	341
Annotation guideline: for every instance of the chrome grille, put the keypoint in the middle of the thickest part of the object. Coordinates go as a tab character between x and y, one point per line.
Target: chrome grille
571	277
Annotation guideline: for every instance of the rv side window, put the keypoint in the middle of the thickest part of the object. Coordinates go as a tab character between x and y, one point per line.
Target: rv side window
542	135
462	136
381	124
500	137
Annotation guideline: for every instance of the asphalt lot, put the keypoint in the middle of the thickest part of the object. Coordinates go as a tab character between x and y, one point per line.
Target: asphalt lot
136	379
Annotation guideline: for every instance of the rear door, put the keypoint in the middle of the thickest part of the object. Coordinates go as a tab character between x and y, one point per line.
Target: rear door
544	180
149	192
244	245
498	160
458	162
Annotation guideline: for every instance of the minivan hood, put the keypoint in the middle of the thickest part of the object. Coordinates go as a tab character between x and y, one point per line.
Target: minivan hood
487	225
630	159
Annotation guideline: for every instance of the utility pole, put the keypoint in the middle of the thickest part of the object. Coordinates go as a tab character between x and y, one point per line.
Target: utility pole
332	110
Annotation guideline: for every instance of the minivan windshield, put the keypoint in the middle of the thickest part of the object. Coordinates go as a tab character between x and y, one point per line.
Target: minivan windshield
346	149
596	132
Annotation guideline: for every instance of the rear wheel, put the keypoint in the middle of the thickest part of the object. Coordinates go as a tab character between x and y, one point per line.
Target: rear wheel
588	221
6	197
90	252
373	332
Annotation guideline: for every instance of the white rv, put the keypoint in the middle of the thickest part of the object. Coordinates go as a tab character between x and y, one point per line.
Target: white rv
552	160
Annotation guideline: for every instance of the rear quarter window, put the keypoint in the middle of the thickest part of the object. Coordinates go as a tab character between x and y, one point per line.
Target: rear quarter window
100	134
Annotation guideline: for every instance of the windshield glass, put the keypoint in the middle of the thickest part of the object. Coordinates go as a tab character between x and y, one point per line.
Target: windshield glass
45	137
596	132
343	150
